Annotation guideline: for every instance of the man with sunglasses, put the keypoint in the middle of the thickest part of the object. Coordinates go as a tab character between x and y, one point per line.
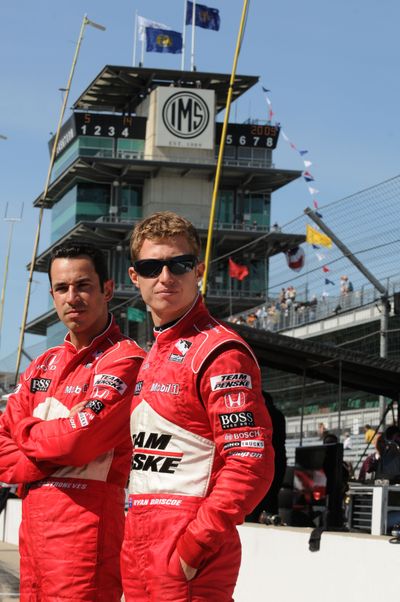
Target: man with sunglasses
64	436
201	434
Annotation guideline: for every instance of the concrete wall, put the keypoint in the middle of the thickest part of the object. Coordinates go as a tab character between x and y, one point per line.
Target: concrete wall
189	196
277	565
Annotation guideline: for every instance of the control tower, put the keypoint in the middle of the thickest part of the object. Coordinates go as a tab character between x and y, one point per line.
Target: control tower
141	140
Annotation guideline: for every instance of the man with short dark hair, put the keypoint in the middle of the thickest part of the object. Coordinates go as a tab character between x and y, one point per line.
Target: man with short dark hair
64	435
201	434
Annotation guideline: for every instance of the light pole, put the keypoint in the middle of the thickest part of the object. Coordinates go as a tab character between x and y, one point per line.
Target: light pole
385	305
12	221
222	144
85	22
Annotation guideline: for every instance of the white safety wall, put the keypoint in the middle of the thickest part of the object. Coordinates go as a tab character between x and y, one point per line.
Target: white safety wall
277	565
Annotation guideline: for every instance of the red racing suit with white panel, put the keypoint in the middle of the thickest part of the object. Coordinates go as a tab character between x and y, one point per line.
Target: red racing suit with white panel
74	469
202	460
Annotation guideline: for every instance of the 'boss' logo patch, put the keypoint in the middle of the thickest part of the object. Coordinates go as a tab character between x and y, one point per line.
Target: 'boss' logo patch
236	420
95	405
40	384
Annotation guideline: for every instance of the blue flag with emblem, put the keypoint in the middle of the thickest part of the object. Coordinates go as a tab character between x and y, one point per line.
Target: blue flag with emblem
205	17
163	40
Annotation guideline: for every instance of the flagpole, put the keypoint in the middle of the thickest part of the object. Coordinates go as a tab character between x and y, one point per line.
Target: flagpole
12	221
222	147
184	35
142	56
193	31
85	22
135	41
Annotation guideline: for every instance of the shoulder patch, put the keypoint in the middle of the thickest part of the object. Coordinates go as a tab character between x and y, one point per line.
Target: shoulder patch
215	338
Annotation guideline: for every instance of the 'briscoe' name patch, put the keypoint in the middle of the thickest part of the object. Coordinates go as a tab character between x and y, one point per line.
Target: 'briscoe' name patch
40	384
95	405
229	381
108	380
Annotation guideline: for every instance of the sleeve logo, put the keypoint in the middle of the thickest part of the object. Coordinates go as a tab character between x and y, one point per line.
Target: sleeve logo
235	400
84	418
230	381
236	420
95	405
108	380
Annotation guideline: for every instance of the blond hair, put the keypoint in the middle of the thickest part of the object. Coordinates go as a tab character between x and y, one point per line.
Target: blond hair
161	225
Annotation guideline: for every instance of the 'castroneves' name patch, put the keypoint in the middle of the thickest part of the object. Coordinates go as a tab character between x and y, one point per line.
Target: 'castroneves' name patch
229	381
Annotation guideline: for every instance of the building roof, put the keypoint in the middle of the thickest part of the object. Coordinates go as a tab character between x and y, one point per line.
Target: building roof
108	232
122	89
323	362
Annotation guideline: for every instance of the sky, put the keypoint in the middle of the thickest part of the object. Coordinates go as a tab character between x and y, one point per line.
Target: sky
331	68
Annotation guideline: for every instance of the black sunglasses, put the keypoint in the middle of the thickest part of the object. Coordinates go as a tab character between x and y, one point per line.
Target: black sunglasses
151	268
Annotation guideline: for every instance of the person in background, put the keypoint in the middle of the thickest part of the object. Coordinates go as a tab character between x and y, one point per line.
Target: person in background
369	433
269	503
370	464
322	430
65	436
202	452
347	441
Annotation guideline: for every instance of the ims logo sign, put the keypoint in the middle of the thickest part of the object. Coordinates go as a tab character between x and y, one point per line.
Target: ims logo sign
186	115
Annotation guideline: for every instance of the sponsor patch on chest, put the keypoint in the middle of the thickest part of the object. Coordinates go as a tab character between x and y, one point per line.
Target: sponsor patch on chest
230	381
138	387
172	388
182	347
40	385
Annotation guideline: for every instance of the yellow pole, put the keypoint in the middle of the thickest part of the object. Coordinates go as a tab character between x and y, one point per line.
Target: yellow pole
221	149
85	22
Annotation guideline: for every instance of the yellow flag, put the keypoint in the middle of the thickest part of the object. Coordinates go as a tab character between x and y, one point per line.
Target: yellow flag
313	237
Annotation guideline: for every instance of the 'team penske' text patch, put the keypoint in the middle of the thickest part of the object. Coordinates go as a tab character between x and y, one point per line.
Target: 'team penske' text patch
230	381
109	380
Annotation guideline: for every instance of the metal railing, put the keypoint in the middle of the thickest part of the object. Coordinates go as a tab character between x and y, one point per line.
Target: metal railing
136	155
231	227
302	311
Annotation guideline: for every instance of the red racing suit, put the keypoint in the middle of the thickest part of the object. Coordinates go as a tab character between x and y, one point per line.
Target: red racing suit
202	460
74	469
